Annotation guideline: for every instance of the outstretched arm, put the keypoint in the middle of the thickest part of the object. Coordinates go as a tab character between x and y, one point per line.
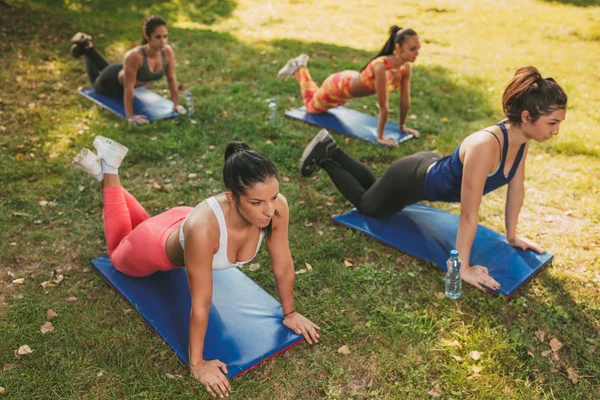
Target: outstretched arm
405	101
380	72
283	270
171	78
130	69
198	260
514	202
479	159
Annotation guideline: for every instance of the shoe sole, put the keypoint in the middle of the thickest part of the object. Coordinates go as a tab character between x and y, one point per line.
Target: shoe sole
119	150
323	133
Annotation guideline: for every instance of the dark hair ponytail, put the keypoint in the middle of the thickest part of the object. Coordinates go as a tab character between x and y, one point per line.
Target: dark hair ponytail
149	24
397	35
244	168
528	90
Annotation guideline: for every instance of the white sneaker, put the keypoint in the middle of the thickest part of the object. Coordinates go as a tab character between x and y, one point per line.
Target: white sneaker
292	66
110	151
87	161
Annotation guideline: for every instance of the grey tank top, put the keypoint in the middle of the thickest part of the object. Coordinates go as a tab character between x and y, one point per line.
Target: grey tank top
145	75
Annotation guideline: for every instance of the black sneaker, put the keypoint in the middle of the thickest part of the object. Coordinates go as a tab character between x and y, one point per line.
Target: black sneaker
321	147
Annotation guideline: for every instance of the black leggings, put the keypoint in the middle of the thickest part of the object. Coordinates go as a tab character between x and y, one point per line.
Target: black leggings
104	77
400	185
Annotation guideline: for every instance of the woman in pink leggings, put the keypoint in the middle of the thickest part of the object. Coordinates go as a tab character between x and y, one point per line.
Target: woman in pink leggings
230	226
389	70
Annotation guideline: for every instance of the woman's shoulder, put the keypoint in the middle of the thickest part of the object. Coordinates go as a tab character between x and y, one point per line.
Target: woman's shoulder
134	55
202	219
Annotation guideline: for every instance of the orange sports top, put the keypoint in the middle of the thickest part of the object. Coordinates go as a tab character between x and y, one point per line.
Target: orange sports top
367	77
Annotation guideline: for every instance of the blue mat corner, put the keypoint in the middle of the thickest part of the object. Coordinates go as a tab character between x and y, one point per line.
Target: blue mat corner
245	323
145	102
429	234
349	122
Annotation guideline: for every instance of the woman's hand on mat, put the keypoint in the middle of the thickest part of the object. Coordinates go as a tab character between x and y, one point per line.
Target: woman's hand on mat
414	132
479	277
387	141
302	326
180	109
138	120
211	373
525	244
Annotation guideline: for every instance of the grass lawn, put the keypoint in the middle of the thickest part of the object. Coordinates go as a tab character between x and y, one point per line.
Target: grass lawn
407	341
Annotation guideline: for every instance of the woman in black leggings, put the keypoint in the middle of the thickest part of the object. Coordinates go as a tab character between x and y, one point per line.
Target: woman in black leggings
485	160
142	65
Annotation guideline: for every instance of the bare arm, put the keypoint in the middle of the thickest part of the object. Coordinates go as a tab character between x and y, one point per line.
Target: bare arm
281	256
131	65
171	78
479	159
379	70
199	251
283	270
405	97
514	202
514	199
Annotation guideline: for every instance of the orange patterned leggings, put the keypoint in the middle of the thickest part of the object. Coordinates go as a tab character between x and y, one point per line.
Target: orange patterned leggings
334	91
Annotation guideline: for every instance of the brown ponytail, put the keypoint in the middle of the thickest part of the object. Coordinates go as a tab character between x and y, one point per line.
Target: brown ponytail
529	91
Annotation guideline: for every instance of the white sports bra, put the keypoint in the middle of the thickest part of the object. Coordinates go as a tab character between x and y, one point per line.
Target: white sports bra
220	260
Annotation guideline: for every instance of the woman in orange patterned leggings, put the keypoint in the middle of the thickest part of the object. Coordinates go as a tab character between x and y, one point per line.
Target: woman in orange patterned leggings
389	70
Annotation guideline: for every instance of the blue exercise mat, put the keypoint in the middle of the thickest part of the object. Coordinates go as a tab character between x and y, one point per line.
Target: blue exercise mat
349	122
244	325
429	234
145	102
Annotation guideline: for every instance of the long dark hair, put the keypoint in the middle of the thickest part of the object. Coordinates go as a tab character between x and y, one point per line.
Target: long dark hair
149	24
244	168
397	35
528	90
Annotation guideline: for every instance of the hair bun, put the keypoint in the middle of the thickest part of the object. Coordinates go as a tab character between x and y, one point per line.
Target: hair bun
235	147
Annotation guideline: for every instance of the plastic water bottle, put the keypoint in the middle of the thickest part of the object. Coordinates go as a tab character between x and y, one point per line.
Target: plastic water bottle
189	102
273	117
453	279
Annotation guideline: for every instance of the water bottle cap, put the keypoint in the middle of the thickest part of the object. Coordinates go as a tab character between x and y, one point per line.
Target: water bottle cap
453	253
272	100
189	93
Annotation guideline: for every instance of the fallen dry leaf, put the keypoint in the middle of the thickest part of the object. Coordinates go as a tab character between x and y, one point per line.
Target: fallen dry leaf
46	327
285	179
43	203
6	367
25	349
301	271
555	345
592	349
473	376
345	350
457	358
50	314
546	353
254	267
572	375
18	281
99	374
72	299
540	335
2	390
309	267
436	391
476	368
451	343
308	223
475	355
347	264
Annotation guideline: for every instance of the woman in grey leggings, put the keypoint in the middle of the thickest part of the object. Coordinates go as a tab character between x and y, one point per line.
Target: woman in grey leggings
142	65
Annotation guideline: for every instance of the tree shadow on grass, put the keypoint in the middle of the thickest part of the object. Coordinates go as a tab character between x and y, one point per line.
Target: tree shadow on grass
577	3
200	11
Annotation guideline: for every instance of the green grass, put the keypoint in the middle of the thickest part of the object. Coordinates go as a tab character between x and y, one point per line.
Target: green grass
405	338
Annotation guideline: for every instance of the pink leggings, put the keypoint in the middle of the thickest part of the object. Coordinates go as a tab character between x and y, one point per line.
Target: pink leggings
136	242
